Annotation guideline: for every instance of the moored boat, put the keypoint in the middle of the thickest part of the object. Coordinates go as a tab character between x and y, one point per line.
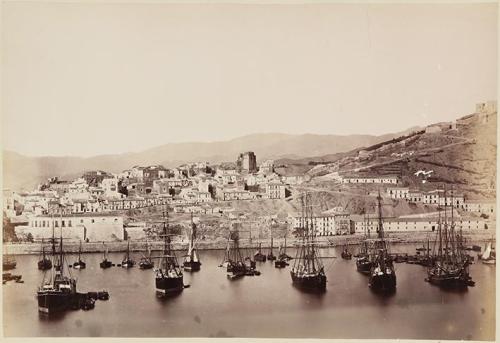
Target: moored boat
450	267
127	262
44	263
105	263
79	264
169	279
146	262
191	259
308	272
58	290
382	272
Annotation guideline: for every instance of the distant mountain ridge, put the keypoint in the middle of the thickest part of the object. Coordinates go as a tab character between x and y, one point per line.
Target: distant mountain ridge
24	172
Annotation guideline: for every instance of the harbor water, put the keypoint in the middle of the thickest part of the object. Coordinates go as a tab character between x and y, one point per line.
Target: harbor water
257	306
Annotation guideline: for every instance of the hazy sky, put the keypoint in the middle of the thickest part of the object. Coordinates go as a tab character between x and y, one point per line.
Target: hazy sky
94	78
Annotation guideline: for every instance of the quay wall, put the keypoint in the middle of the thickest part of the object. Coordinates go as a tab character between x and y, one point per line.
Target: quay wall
135	245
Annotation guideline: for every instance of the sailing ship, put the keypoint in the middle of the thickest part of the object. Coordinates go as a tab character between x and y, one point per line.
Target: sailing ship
105	263
127	262
192	260
450	267
168	276
44	263
259	256
236	266
270	255
146	262
308	272
363	263
382	272
79	264
346	255
57	291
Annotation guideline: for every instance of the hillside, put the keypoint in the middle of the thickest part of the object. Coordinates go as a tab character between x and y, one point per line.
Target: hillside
464	157
26	172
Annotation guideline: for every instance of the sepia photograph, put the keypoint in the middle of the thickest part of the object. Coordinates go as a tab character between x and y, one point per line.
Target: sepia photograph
249	169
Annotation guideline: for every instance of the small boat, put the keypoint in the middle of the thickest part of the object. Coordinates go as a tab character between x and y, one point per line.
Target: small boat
270	255
105	263
79	264
489	256
280	262
44	263
191	259
283	255
127	262
259	256
363	263
146	262
346	255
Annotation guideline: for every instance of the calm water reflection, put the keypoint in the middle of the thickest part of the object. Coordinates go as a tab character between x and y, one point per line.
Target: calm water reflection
259	306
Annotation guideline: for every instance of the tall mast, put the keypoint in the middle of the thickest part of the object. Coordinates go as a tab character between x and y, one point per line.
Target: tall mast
440	251
61	262
380	225
446	252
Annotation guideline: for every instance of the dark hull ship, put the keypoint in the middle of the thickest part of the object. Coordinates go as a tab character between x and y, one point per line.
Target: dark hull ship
237	266
169	279
363	263
105	263
308	272
127	262
192	260
450	267
44	263
57	292
382	272
79	264
146	262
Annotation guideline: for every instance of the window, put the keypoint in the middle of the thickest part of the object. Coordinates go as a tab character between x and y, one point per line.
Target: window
56	223
62	224
69	223
93	220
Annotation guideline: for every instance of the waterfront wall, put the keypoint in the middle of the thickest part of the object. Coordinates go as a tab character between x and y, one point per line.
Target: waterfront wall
136	245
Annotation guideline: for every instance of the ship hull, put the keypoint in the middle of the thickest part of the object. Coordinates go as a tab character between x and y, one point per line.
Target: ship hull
192	266
383	282
315	282
105	264
44	264
55	302
450	280
363	266
172	285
